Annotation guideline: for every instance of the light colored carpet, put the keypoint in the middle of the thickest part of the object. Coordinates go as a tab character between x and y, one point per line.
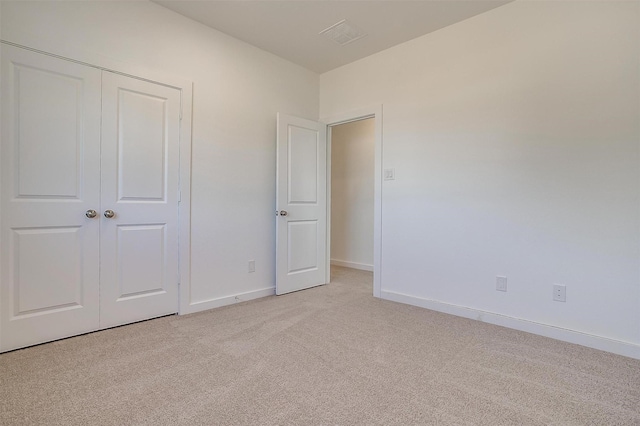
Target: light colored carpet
329	355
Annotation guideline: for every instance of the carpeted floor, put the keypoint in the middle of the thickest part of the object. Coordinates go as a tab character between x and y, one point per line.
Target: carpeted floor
331	355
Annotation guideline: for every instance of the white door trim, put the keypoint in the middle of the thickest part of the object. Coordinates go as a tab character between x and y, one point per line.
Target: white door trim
374	111
186	88
184	202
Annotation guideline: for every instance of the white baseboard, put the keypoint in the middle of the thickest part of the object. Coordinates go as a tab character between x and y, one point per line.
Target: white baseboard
589	340
228	300
354	265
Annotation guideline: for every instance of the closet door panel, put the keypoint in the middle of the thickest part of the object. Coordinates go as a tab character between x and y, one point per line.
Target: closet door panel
139	242
50	158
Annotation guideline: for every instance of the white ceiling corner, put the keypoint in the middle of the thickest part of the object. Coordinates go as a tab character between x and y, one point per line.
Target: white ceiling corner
291	29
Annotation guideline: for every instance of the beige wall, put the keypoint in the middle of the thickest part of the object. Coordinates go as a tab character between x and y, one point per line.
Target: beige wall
352	167
514	136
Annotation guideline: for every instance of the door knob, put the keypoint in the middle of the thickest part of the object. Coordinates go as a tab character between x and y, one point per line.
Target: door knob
109	214
91	214
283	213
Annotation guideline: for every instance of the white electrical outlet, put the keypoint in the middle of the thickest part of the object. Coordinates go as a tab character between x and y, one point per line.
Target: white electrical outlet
559	293
501	283
252	266
389	174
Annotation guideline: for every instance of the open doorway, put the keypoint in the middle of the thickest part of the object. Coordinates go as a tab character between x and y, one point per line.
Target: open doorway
368	133
352	194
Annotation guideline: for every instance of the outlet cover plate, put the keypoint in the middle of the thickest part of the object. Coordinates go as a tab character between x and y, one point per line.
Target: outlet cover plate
559	293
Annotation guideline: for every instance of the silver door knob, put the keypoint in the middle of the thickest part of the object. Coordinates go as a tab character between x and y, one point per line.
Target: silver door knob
91	214
109	214
283	213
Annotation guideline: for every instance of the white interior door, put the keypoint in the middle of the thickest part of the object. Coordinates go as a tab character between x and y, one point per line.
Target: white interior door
301	200
140	161
50	159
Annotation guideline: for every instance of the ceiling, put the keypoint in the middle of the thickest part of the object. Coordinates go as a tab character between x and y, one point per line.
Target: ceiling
290	28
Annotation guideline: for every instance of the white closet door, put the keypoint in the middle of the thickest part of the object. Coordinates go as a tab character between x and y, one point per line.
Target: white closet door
50	159
139	244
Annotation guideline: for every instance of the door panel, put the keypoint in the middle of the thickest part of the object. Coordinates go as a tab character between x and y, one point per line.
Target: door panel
303	166
50	155
302	245
301	193
51	256
141	253
139	245
142	146
48	110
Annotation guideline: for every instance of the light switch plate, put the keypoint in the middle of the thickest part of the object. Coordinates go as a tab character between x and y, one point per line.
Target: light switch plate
389	174
501	283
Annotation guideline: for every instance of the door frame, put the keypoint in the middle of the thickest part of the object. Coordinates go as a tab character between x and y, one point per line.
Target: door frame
185	87
375	112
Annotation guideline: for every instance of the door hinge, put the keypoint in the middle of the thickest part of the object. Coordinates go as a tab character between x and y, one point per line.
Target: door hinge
179	195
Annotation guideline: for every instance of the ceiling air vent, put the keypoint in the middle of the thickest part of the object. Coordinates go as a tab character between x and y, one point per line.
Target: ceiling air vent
343	33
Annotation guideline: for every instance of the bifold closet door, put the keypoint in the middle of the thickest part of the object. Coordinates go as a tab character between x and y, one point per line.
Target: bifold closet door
139	238
50	186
